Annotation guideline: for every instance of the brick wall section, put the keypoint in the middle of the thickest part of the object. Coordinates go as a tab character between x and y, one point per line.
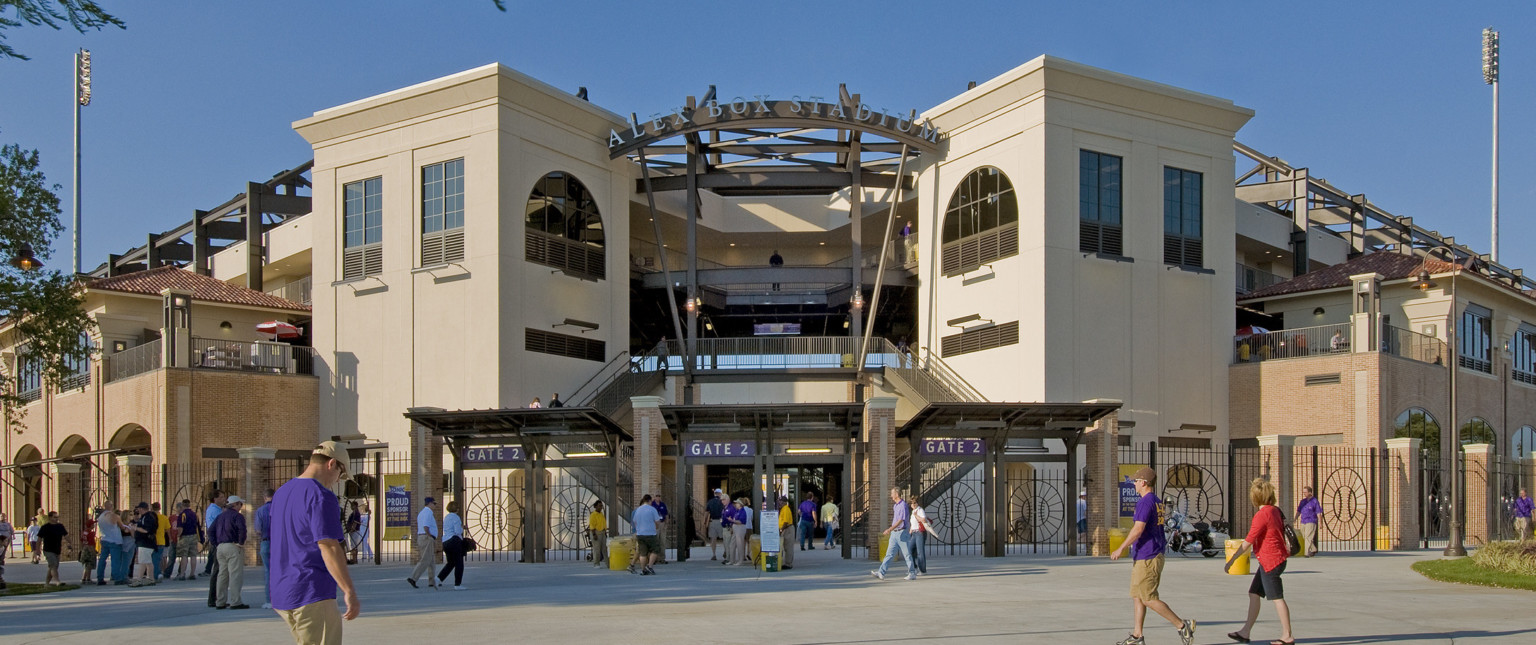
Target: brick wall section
879	435
650	427
702	492
134	488
1402	494
426	474
1101	442
71	515
1477	494
1279	460
255	475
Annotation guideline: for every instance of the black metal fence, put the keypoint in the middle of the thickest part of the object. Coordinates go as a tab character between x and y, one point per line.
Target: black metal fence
1206	484
1350	485
951	496
1037	508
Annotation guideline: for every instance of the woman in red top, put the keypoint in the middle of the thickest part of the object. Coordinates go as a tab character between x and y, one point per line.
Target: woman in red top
1268	541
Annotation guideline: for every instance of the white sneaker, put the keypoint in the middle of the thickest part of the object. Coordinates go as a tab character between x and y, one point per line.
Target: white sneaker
458	587
911	577
266	605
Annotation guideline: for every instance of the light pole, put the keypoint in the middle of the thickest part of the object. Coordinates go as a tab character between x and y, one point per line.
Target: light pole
82	99
1454	547
1491	77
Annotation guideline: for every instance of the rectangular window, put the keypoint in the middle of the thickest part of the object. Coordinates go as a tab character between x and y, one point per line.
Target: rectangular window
1182	218
1476	338
79	369
546	342
1523	347
442	213
979	339
1098	203
362	228
29	375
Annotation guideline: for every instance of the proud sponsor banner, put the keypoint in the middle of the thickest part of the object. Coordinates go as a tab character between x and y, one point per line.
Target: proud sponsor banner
397	507
1128	496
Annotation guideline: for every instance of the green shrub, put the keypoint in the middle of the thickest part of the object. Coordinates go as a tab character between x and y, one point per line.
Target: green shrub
1509	557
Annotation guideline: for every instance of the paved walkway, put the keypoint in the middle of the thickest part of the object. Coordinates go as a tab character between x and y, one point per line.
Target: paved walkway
1365	598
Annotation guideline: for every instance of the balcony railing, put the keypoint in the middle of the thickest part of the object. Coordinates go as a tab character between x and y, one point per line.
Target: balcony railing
1292	343
253	356
297	291
133	361
75	382
770	353
1250	279
1413	345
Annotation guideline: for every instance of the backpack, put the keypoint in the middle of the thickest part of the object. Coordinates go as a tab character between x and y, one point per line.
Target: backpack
1291	541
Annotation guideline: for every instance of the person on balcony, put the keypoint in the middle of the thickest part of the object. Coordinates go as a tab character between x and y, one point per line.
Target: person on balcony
555	401
1337	342
775	261
535	403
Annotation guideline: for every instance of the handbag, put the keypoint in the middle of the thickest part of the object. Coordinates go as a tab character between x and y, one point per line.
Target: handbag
469	544
1291	541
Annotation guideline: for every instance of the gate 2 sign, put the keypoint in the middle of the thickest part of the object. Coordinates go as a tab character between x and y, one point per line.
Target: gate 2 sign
721	448
480	455
953	447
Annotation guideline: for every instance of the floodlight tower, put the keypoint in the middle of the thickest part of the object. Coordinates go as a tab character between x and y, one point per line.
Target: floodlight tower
82	99
1491	77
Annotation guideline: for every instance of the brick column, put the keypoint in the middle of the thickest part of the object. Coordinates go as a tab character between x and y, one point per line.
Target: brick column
702	493
1278	463
68	482
135	471
255	472
879	435
649	427
426	475
1102	444
1477	493
1402	495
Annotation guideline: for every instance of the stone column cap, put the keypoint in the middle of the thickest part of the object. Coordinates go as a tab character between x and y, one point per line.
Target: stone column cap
881	403
1401	443
135	460
256	453
1276	440
65	468
645	401
1479	449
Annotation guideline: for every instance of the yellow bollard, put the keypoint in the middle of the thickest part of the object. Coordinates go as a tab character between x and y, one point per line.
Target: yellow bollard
1383	538
1239	568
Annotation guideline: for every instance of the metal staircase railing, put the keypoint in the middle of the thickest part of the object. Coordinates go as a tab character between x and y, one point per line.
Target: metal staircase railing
925	379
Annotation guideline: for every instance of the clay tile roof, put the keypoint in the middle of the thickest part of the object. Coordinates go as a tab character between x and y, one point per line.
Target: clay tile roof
1391	266
204	288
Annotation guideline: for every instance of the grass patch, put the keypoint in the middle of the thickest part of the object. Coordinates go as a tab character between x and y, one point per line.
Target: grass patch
1509	557
1466	571
28	589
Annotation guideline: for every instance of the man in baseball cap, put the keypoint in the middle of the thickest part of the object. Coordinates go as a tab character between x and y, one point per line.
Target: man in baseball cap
308	561
1147	543
337	453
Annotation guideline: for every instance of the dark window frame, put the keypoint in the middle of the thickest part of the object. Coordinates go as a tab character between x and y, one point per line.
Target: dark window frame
442	212
981	222
1101	180
1183	217
362	228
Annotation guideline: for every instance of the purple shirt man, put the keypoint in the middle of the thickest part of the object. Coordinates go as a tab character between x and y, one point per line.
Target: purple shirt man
1152	541
228	528
303	513
1524	506
900	516
1307	511
808	511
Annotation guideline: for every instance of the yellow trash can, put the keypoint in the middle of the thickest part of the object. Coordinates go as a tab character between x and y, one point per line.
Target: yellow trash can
885	541
1116	538
1383	538
621	549
755	548
1239	568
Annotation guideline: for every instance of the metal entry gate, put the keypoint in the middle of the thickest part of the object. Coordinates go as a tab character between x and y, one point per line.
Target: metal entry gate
1037	508
494	516
951	496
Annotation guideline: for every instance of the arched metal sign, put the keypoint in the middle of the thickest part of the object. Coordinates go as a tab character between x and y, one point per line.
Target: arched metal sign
759	111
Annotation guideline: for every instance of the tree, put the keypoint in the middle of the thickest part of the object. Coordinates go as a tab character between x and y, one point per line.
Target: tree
44	311
80	14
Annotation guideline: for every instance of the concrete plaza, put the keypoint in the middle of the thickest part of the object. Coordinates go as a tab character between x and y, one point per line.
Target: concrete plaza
1361	598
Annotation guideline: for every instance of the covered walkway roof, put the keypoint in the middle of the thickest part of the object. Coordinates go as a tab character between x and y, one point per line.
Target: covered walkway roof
549	425
1004	420
826	420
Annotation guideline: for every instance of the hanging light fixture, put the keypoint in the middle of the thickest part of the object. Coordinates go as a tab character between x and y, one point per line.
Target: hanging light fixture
26	260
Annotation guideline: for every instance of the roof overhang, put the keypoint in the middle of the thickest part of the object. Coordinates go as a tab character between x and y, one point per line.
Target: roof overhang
1002	420
553	426
799	420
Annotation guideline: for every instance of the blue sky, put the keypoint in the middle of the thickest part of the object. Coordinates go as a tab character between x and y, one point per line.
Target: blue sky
196	98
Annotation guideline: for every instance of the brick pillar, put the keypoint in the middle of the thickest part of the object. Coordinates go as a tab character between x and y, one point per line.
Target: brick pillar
68	482
1278	463
1402	495
1477	493
650	426
426	475
1102	444
255	473
135	470
879	435
702	493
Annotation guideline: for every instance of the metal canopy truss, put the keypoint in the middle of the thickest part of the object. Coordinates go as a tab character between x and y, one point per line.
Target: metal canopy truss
273	202
995	424
1313	203
536	430
768	426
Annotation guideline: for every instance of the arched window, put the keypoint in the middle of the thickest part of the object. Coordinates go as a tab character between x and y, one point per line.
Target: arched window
981	223
1477	430
1418	423
565	230
1522	442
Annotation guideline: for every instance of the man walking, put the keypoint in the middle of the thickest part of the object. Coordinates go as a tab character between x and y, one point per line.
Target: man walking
145	525
1147	543
898	540
308	560
32	529
7	533
597	530
264	548
427	536
644	520
1523	507
229	534
829	523
715	508
51	537
186	544
808	511
1306	521
111	547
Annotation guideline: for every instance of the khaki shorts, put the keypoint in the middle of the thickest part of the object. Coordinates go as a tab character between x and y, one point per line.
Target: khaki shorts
317	623
647	544
186	546
1145	576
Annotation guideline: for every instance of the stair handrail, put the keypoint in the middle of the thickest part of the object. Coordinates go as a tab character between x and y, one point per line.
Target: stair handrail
947	376
622	358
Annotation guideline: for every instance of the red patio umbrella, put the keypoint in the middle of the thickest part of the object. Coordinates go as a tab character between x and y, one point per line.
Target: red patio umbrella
1251	330
278	329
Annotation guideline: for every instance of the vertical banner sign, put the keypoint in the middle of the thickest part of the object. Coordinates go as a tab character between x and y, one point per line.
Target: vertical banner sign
397	507
769	532
1128	496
